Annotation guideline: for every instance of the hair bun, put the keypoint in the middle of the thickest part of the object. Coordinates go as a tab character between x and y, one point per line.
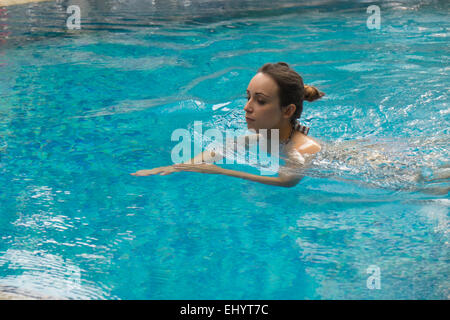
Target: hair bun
283	64
312	93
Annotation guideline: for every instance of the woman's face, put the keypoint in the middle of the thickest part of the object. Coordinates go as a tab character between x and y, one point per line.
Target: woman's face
262	110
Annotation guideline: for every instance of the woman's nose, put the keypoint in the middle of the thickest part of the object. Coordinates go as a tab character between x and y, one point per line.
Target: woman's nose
247	107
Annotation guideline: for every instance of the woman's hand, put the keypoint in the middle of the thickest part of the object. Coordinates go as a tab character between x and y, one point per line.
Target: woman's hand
162	171
201	167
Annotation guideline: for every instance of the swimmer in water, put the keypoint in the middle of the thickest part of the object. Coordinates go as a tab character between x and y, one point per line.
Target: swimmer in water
275	98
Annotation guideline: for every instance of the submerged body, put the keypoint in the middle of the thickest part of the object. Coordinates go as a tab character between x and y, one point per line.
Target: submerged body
383	162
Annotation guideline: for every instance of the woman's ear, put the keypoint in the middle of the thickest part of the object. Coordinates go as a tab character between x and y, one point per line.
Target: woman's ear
289	110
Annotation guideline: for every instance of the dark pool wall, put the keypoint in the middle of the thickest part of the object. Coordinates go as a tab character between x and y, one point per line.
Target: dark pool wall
20	24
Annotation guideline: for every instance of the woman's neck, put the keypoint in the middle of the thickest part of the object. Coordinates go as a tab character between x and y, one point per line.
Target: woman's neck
284	132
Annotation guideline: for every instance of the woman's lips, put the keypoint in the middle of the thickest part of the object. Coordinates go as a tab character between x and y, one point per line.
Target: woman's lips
249	119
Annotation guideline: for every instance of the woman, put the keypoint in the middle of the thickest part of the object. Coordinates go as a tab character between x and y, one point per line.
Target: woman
275	98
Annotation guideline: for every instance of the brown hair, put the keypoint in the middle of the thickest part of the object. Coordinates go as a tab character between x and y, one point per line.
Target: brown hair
291	87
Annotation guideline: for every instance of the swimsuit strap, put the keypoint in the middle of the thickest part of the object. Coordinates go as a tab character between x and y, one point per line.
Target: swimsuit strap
299	127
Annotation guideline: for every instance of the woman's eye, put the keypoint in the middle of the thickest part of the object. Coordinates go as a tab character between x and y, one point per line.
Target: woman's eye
259	101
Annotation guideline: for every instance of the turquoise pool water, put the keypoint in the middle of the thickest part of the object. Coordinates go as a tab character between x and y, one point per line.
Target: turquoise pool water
81	109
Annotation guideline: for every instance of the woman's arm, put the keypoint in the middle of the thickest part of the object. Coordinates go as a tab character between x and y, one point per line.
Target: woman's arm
281	180
207	156
202	157
288	176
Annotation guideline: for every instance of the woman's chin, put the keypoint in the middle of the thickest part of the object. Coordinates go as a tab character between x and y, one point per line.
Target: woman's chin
251	125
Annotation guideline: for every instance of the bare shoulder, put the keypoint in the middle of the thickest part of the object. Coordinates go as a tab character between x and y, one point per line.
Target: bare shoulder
304	144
